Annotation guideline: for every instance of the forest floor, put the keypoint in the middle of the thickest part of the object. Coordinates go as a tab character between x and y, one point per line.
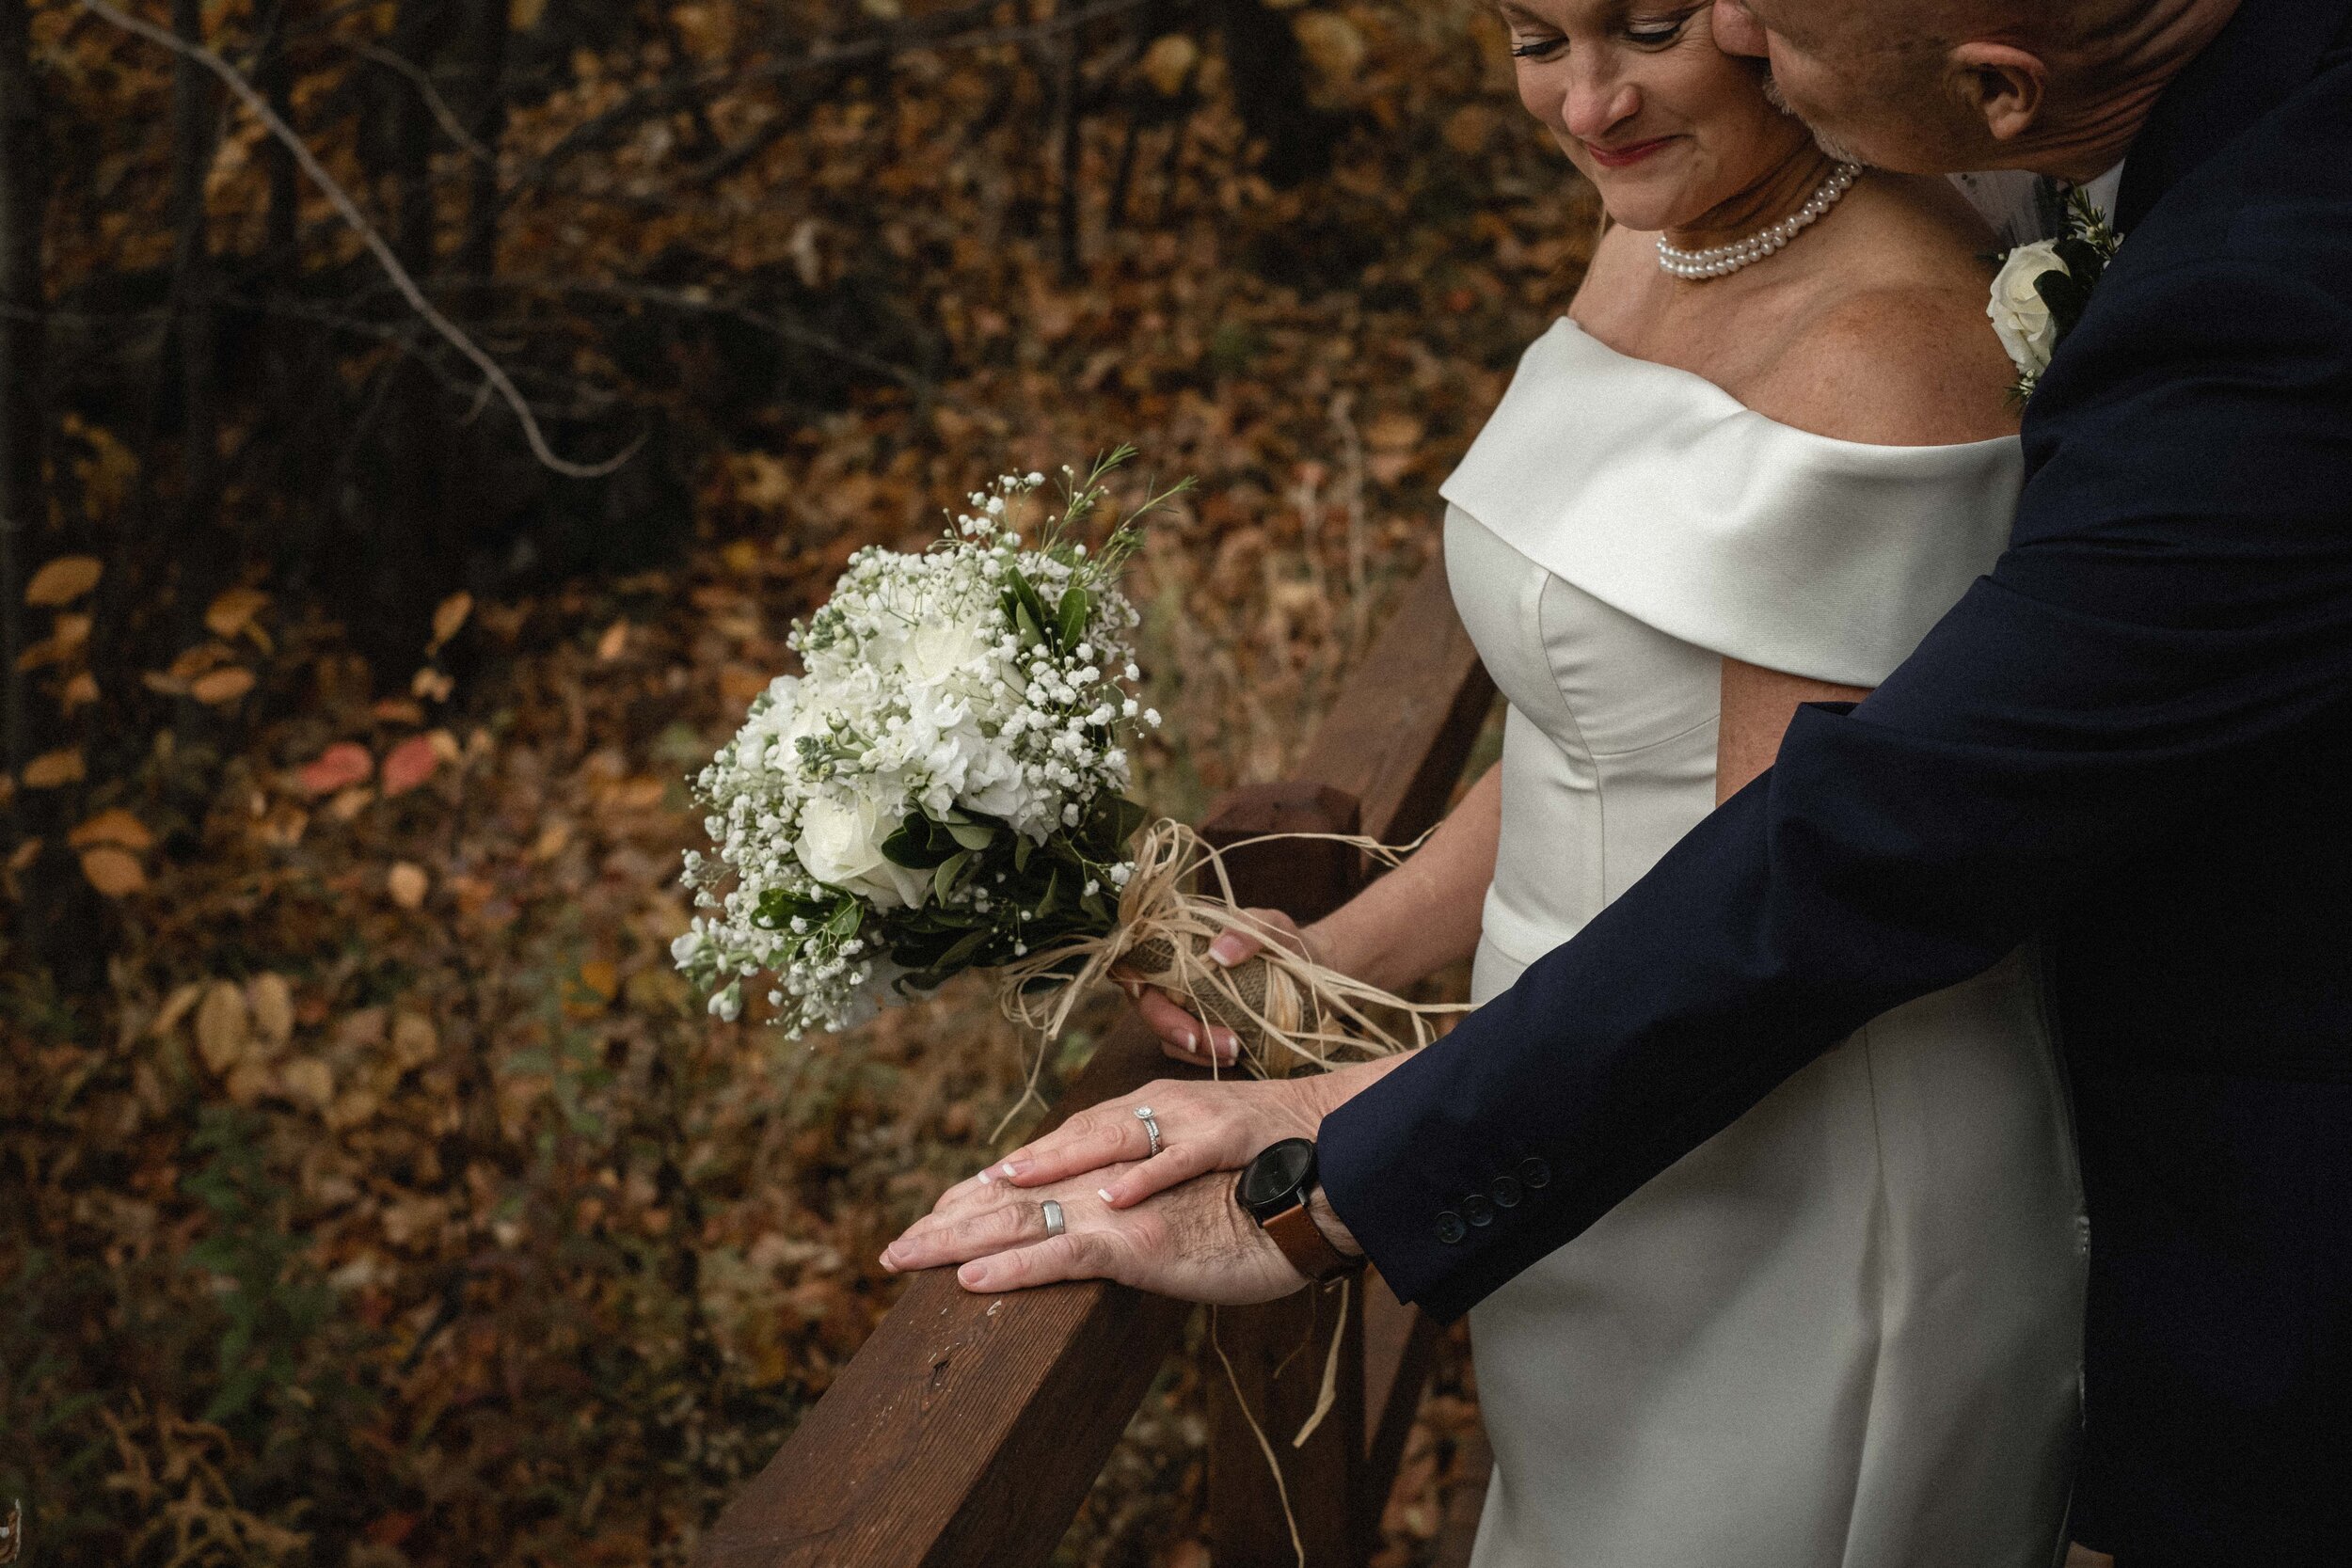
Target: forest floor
399	1208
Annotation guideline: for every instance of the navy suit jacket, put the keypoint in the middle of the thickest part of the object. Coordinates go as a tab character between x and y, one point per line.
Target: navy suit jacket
2133	739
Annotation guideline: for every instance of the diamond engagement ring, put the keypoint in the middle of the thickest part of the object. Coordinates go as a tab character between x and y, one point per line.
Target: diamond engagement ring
1055	1223
1151	1127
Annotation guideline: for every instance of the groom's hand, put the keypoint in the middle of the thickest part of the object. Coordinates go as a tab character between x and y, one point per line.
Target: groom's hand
1193	1242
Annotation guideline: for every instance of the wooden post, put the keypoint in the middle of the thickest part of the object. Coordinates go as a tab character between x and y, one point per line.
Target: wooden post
1278	1352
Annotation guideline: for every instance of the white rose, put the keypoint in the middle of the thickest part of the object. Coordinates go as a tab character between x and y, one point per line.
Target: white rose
2019	313
841	845
941	651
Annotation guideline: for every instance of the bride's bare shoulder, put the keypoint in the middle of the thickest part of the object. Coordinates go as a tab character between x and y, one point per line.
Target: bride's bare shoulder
1894	348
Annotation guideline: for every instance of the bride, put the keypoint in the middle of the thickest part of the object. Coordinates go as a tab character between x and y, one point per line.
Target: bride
1767	448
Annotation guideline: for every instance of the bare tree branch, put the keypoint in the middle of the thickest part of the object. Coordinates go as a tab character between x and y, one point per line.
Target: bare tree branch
341	199
443	114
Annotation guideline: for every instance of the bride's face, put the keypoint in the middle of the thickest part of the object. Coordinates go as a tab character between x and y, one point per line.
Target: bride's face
1667	126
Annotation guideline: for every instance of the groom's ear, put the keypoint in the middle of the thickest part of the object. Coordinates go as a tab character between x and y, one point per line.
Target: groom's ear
2000	84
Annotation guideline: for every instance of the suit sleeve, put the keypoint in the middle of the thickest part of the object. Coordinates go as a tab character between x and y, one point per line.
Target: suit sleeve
2175	608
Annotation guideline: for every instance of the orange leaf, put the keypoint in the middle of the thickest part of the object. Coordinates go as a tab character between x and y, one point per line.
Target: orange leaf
613	643
339	766
449	619
222	686
430	685
80	691
234	610
117	827
409	764
396	710
114	872
54	769
409	885
63	580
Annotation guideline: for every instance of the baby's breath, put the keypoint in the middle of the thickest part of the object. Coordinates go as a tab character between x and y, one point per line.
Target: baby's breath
945	785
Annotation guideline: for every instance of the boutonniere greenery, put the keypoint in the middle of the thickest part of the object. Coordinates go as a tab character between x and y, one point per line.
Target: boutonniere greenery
2043	288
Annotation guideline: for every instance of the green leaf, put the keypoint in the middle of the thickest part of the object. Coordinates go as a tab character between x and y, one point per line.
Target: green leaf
842	925
1022	848
972	835
944	879
1077	608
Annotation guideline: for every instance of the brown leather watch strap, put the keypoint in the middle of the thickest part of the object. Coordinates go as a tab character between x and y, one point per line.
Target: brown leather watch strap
1302	1242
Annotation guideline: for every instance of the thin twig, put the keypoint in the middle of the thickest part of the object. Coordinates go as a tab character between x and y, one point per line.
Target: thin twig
341	199
442	112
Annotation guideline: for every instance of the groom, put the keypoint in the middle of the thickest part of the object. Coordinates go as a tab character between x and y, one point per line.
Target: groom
2134	739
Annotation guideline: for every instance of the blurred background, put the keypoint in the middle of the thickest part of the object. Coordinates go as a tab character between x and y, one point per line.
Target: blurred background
372	1192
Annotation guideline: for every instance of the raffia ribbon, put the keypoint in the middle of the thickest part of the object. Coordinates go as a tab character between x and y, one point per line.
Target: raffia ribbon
1290	1013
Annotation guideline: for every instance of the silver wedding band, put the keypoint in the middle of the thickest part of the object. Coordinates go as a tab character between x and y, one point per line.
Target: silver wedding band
1151	1127
1055	1223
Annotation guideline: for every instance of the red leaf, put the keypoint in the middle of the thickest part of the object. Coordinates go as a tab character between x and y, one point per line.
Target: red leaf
339	766
408	765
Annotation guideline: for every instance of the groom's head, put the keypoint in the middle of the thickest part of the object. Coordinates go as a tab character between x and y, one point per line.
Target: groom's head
2059	87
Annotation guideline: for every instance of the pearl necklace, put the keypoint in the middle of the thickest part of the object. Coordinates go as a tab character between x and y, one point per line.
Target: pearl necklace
1722	260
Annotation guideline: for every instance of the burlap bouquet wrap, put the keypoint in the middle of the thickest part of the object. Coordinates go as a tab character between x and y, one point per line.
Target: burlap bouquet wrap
1290	1013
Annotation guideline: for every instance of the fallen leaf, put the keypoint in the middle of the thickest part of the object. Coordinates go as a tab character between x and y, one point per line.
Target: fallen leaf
221	686
80	691
409	885
250	1079
26	854
450	618
233	611
223	1027
63	580
414	1041
1168	64
445	746
1394	432
115	872
339	766
271	999
350	802
309	1082
55	769
552	842
430	685
198	659
116	827
409	764
176	1007
613	643
397	710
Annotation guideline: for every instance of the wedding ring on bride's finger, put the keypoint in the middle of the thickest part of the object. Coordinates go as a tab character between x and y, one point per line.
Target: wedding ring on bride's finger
1151	1127
1055	1222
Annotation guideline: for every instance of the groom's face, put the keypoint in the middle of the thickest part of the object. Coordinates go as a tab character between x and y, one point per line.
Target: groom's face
1865	74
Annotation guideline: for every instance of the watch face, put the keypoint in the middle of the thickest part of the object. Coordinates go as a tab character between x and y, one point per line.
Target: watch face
1276	1178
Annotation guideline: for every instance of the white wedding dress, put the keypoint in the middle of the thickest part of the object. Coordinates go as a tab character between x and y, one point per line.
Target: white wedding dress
1844	1333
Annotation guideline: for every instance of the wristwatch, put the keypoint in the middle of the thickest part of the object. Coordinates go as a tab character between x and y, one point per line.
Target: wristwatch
1275	1187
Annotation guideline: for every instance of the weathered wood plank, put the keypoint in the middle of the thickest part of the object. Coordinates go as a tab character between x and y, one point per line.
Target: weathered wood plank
1278	1350
966	1431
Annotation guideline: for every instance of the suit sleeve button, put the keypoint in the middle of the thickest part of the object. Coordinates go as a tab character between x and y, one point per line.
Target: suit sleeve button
1508	1192
1477	1209
1450	1229
1536	1174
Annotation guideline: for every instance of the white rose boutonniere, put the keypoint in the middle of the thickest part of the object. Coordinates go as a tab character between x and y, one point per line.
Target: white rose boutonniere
2043	289
2020	314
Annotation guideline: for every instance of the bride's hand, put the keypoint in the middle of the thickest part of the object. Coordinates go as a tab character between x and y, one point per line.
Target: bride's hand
1186	1037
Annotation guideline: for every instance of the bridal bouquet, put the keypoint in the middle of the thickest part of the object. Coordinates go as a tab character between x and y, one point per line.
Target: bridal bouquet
943	789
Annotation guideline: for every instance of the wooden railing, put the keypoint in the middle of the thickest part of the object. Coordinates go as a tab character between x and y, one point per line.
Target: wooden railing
967	1431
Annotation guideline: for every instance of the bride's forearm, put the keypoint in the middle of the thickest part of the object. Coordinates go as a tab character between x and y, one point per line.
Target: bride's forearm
1425	913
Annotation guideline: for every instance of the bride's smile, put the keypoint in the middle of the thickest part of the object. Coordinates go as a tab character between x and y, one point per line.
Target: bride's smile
1679	137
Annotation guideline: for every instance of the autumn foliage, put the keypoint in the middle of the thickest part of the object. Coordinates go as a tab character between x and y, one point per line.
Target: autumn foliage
376	1195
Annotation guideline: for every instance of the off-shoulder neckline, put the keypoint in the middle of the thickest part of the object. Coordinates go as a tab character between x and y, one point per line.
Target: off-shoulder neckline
1732	405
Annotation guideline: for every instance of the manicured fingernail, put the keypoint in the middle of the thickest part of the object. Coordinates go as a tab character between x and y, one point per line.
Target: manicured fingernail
1190	1042
1227	1045
1012	1170
987	1179
1225	952
1102	1193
